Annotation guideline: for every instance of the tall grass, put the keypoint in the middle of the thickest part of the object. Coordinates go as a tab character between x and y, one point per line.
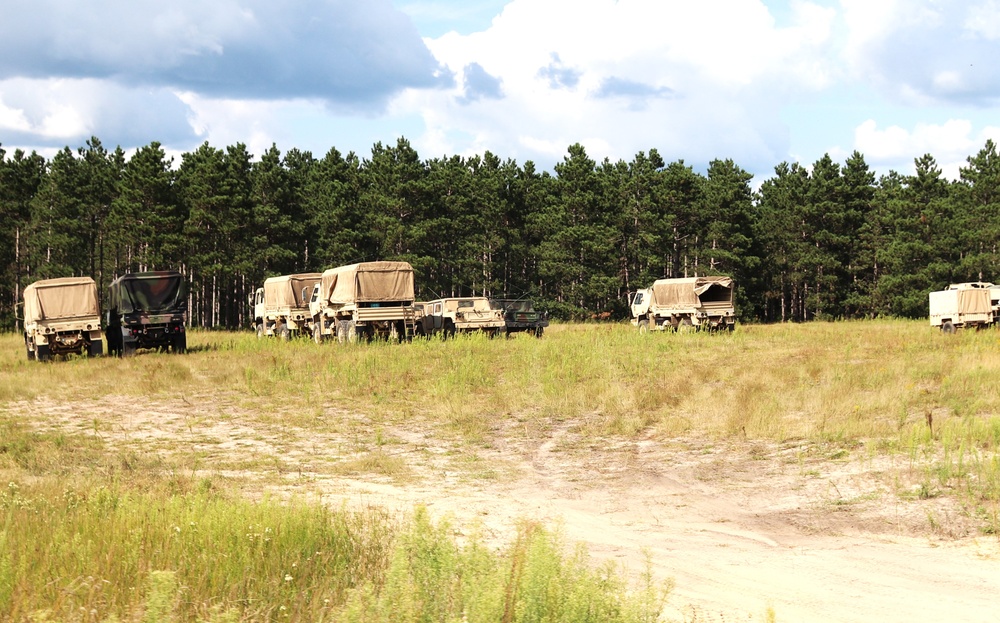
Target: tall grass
107	554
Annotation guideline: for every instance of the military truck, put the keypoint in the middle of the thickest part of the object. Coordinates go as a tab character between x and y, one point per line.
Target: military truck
964	305
448	316
281	306
685	303
520	316
62	316
147	310
364	301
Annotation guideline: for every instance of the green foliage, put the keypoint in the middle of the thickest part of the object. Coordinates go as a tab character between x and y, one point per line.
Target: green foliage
820	242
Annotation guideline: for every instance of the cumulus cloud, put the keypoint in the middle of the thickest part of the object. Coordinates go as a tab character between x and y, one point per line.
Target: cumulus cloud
336	50
695	80
950	143
924	51
54	112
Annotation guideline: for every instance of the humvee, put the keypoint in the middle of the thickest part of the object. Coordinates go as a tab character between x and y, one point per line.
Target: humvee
366	300
520	316
281	307
62	316
147	310
448	316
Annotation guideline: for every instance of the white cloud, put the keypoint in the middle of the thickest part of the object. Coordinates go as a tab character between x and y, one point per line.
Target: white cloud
950	143
694	80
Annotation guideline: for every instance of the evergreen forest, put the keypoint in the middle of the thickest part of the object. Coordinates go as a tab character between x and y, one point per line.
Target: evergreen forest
829	241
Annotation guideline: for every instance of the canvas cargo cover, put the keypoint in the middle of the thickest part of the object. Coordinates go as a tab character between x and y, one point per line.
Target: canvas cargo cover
974	301
286	291
684	292
148	292
53	299
370	282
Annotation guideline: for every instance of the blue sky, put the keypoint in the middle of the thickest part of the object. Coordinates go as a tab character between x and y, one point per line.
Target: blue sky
757	81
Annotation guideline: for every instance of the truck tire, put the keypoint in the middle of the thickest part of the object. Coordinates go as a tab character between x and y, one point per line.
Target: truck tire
317	331
27	347
128	349
352	332
42	352
643	325
96	348
282	332
260	330
947	327
180	343
539	331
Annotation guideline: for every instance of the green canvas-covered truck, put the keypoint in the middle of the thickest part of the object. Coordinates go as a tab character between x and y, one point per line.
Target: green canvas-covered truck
147	310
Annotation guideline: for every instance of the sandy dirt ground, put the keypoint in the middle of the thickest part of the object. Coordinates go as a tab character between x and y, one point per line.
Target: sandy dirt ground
741	528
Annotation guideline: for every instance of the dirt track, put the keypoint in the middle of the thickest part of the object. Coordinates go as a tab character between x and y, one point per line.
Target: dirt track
810	534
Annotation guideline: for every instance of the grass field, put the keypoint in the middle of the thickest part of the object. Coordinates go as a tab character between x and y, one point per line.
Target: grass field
129	534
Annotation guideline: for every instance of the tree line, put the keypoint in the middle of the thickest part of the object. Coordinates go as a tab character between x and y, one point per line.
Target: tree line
821	242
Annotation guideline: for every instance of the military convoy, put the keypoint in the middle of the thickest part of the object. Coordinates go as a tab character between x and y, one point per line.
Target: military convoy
281	306
685	303
448	316
62	317
362	301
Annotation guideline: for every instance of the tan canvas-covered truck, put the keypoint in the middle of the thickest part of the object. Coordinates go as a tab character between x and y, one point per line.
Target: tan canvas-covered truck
690	302
62	316
963	305
448	316
281	306
365	300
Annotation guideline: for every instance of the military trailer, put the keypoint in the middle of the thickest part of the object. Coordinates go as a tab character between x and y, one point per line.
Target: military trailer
61	317
364	301
147	310
448	316
520	316
963	305
692	302
281	307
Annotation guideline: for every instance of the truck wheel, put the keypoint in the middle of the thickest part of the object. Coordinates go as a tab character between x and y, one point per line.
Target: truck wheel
685	325
283	332
947	327
644	326
42	352
96	348
341	331
180	343
27	347
539	331
260	331
128	349
351	331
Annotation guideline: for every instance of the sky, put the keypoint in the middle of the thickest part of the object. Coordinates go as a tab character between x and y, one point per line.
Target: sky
759	82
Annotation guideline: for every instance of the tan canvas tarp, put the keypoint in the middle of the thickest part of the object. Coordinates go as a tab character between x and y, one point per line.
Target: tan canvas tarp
684	292
286	291
69	297
368	282
973	301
